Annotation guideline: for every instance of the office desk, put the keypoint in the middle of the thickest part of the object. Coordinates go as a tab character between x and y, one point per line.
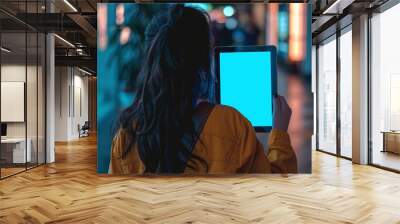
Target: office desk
13	150
391	141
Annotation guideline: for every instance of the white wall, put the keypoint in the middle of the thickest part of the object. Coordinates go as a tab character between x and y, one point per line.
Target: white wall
71	93
16	72
61	103
80	85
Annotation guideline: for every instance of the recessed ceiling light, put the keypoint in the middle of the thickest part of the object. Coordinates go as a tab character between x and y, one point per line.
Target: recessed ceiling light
337	7
5	50
84	71
70	5
65	41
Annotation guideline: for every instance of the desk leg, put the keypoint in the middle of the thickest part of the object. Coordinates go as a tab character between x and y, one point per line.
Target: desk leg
384	142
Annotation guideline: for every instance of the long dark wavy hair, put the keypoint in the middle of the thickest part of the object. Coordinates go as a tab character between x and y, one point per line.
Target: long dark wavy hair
174	75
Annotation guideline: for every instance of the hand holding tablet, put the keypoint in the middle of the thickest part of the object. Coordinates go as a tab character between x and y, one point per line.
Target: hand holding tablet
247	81
282	114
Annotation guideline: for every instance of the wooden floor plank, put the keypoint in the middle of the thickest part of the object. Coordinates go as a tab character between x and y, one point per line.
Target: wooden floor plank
70	191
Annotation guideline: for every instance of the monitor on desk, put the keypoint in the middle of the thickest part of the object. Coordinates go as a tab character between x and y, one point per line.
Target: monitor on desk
3	130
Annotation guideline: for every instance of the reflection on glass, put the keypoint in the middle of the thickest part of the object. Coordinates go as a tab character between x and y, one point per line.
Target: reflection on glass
327	96
385	84
31	97
346	94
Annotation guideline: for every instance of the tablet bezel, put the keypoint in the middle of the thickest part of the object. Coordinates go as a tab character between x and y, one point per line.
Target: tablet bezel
264	48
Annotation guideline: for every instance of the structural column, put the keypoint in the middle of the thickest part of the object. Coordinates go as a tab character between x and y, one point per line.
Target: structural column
50	93
360	90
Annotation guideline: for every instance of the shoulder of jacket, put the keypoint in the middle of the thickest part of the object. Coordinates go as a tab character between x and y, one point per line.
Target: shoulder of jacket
228	111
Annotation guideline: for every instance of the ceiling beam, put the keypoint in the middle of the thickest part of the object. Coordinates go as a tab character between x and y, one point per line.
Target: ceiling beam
86	27
337	6
79	61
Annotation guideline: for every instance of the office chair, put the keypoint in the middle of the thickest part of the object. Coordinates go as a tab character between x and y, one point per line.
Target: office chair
84	130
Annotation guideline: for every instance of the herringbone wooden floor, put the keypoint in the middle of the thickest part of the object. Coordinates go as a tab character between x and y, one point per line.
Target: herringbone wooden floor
70	191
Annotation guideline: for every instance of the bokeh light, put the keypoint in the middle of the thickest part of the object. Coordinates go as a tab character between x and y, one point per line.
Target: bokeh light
119	14
231	23
229	11
125	35
296	32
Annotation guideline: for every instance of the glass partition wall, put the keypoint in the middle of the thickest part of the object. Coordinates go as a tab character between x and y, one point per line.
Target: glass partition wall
334	94
385	89
22	77
13	89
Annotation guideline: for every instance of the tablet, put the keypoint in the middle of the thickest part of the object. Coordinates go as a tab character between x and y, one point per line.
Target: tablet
247	82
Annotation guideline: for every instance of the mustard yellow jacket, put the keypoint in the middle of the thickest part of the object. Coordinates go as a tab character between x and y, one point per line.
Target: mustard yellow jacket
227	143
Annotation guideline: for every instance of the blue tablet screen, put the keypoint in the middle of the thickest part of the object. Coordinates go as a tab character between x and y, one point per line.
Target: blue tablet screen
245	84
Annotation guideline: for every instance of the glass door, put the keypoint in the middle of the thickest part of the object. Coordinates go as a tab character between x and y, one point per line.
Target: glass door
326	98
334	94
345	93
